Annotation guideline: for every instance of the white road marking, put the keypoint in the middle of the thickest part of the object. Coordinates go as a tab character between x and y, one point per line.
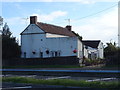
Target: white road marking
102	79
17	87
59	77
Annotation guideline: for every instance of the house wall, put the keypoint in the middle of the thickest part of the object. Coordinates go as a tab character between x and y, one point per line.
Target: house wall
101	50
79	48
32	43
33	39
62	45
85	52
94	52
32	28
48	35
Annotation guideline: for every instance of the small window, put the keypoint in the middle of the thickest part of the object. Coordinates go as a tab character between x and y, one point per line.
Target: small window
52	53
41	54
41	39
55	54
24	54
58	53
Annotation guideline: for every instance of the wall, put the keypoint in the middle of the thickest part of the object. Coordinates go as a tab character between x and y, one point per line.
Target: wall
33	39
85	52
54	35
101	50
64	45
80	49
42	61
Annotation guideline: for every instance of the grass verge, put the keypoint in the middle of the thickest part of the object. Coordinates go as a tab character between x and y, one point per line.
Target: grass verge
64	82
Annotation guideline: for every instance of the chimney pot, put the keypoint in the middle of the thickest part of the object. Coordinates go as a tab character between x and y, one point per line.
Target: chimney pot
69	27
33	19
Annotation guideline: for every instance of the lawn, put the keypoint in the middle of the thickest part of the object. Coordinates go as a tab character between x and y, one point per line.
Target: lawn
64	82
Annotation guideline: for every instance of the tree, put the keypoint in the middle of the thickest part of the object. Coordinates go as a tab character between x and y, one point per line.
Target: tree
10	48
79	37
1	23
111	49
112	54
6	30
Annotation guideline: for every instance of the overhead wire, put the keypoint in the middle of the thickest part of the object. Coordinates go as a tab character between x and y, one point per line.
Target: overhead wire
93	14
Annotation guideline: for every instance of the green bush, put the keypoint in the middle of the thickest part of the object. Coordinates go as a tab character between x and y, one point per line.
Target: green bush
89	62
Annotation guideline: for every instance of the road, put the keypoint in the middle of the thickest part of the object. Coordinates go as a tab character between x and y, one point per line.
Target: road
85	73
89	75
19	86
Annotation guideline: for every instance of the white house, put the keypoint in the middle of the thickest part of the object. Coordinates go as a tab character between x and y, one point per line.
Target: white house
93	49
41	40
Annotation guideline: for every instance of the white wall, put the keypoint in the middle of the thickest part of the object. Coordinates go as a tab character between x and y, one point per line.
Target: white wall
64	45
33	39
32	28
48	35
101	50
32	42
85	52
79	48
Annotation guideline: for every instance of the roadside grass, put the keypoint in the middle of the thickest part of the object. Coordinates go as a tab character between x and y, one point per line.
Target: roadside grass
64	82
45	66
111	67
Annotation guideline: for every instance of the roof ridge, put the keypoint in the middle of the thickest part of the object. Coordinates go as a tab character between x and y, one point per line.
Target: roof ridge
52	25
50	28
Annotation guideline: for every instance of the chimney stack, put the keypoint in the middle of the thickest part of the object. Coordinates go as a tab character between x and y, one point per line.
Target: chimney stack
33	19
69	27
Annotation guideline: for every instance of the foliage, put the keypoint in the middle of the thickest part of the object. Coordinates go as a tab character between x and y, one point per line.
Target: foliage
89	62
112	54
111	49
64	82
10	48
80	37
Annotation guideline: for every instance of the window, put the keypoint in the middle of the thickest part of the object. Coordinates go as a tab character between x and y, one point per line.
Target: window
52	53
56	54
41	54
24	54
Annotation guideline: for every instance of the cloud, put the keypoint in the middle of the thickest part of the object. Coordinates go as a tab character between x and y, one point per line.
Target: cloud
104	27
51	16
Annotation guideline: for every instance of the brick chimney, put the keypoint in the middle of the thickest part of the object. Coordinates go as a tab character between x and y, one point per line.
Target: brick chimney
69	27
33	19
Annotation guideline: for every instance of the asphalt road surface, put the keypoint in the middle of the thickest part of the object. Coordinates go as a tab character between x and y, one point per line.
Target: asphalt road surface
90	75
19	86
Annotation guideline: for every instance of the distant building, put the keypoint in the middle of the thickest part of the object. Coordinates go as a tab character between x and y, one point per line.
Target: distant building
93	49
41	40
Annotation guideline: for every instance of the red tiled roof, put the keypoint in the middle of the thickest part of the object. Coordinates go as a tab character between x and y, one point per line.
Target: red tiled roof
48	28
